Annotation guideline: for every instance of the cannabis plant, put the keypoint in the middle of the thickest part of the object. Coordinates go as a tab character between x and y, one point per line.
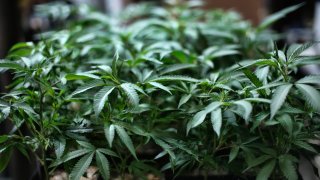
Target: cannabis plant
171	88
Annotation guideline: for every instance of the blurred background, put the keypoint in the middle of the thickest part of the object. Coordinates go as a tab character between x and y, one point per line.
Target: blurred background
19	22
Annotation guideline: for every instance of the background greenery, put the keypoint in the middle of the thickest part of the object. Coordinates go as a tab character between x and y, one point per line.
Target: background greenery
198	90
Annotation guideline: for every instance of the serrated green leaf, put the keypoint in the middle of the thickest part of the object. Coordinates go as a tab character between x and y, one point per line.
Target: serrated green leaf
81	76
87	86
212	106
272	84
305	145
21	45
269	151
219	33
167	148
245	107
185	98
80	168
23	151
105	68
176	67
115	63
109	131
175	78
100	99
160	155
266	170
224	52
153	60
215	52
233	153
107	152
138	89
295	51
5	111
69	156
160	86
4	103
3	138
287	168
278	98
196	120
131	93
86	37
26	61
286	122
4	64
252	77
257	161
103	165
86	145
254	80
306	60
25	107
268	62
59	146
315	79
291	110
311	95
260	100
126	140
276	16
182	146
216	120
5	157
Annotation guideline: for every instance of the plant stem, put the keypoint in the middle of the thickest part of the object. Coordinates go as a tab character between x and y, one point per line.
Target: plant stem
42	146
45	166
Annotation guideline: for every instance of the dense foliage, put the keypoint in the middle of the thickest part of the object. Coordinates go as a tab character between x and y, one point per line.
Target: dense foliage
196	89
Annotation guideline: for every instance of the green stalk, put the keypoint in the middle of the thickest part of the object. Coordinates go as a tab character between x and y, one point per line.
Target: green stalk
42	146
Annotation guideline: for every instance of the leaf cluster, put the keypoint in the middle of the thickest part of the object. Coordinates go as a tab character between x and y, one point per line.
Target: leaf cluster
201	90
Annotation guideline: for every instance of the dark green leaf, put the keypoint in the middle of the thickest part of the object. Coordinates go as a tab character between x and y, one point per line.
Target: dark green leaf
107	152
69	156
258	161
175	78
131	93
295	51
3	138
315	79
233	153
304	145
80	168
266	170
278	98
81	76
87	86
196	120
216	120
160	86
4	64
103	165
100	98
287	168
276	16
286	121
5	157
126	140
176	67
185	98
311	95
59	146
109	133
245	107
